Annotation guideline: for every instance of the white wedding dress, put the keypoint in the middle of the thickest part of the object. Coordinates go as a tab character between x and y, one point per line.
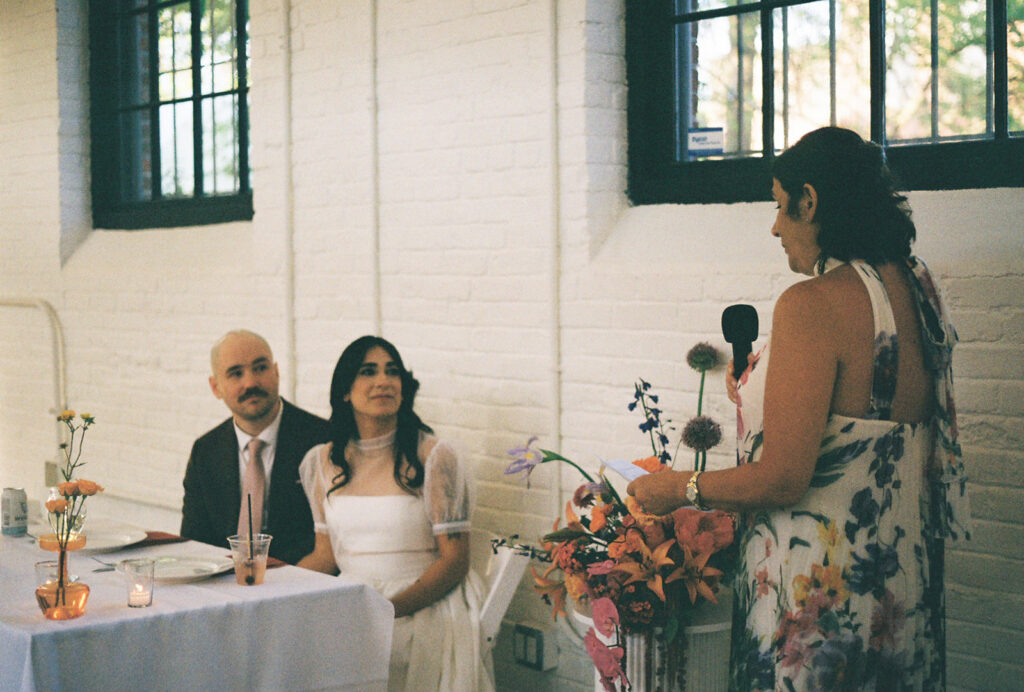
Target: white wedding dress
384	537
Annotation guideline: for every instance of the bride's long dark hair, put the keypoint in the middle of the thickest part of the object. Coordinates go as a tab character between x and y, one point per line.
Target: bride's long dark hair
408	470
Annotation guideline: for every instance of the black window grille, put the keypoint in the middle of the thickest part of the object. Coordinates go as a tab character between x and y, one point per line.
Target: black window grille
718	87
169	83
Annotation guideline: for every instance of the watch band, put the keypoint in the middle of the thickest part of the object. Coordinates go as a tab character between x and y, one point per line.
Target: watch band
693	492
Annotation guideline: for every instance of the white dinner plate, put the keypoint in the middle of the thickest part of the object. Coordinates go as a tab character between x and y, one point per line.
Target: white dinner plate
181	569
105	540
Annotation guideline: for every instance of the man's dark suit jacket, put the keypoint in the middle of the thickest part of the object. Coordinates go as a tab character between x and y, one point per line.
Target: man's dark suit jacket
213	493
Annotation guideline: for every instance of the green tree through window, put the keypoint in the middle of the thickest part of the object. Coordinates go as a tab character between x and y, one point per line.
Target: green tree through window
718	87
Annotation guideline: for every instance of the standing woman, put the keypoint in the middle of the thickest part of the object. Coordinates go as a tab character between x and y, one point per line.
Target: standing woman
849	476
391	507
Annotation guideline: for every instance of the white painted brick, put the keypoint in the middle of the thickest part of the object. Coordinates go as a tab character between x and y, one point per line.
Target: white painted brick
465	242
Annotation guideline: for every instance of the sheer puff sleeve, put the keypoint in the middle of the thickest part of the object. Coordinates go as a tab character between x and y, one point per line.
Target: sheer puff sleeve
446	494
313	475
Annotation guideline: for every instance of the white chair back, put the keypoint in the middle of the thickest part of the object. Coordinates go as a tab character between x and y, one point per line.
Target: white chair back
500	573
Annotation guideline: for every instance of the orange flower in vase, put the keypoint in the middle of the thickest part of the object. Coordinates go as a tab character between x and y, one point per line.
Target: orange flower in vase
59	598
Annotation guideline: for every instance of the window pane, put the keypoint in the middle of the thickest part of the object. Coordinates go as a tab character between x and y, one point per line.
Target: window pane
176	160
945	95
175	59
1015	67
822	72
218	60
220	146
135	61
963	73
720	91
136	153
700	5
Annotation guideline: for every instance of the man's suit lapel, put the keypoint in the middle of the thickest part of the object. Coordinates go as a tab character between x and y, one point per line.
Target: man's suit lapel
228	480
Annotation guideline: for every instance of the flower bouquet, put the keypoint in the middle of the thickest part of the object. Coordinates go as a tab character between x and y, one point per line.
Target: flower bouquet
58	598
636	573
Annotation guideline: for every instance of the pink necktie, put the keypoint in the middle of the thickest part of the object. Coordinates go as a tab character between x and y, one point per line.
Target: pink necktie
252	485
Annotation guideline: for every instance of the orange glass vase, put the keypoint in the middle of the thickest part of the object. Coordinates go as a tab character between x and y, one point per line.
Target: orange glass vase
62	602
58	597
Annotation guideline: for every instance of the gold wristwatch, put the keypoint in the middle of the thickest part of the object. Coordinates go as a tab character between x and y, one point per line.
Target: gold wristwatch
693	492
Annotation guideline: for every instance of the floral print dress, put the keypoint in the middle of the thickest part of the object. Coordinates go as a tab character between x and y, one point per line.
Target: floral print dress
844	590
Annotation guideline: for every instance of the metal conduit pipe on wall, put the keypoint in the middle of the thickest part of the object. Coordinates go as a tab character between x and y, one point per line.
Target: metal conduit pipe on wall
57	354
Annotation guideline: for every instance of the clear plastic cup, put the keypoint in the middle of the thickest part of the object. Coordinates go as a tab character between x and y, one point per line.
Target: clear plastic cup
250	557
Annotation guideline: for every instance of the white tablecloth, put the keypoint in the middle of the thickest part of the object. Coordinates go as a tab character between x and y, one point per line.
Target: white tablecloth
299	630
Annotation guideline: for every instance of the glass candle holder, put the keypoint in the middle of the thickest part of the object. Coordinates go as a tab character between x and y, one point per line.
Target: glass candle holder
138	574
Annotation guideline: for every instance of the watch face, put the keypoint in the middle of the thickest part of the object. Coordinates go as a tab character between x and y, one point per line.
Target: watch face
691	492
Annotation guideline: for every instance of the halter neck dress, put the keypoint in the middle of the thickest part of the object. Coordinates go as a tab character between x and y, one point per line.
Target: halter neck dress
844	589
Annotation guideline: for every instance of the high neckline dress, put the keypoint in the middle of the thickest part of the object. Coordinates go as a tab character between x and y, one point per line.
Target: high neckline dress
844	589
387	541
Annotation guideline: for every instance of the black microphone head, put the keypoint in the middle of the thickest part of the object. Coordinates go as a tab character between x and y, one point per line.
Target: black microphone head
739	323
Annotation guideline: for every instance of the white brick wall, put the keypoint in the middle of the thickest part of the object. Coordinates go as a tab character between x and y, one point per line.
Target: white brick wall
467	244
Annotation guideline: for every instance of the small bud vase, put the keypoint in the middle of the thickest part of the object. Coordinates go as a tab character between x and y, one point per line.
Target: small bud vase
58	597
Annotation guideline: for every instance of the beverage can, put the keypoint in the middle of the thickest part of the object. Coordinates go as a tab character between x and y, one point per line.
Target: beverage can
15	512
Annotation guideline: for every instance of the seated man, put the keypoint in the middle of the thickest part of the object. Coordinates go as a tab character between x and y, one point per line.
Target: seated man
254	454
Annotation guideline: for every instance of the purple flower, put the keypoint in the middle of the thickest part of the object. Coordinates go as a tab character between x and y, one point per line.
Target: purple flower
524	458
587	493
703	357
702	433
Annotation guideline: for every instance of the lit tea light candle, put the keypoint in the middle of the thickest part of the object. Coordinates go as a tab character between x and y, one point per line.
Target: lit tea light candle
140	595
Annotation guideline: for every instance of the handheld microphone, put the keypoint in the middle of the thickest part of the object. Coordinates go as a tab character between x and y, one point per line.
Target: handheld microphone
739	327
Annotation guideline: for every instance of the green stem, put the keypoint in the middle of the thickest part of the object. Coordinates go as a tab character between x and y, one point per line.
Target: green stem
553	456
611	489
647	416
700	395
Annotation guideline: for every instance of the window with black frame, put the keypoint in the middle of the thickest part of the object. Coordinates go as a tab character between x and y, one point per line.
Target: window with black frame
169	83
718	87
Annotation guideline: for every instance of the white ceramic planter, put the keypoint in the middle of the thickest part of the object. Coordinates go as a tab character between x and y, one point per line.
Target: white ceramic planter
707	652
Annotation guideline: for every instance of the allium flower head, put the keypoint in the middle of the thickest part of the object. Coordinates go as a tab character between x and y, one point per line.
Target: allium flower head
703	357
702	433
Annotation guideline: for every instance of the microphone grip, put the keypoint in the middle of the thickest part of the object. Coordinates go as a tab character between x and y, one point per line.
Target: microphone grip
740	351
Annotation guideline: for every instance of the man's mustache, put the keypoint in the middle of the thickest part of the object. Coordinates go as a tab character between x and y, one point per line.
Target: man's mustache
251	392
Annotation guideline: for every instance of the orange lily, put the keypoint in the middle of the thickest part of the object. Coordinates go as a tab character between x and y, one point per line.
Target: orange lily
642	518
649	568
631	541
695	573
650	464
552	590
571	518
599	516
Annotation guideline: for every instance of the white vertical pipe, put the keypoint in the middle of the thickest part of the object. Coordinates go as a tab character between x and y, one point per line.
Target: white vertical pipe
60	397
378	317
555	257
289	201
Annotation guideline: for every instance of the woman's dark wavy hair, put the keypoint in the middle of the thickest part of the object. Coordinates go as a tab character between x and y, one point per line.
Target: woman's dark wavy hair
860	214
409	474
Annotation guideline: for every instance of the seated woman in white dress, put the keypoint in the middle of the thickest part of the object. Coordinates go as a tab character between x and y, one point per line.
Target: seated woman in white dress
391	508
